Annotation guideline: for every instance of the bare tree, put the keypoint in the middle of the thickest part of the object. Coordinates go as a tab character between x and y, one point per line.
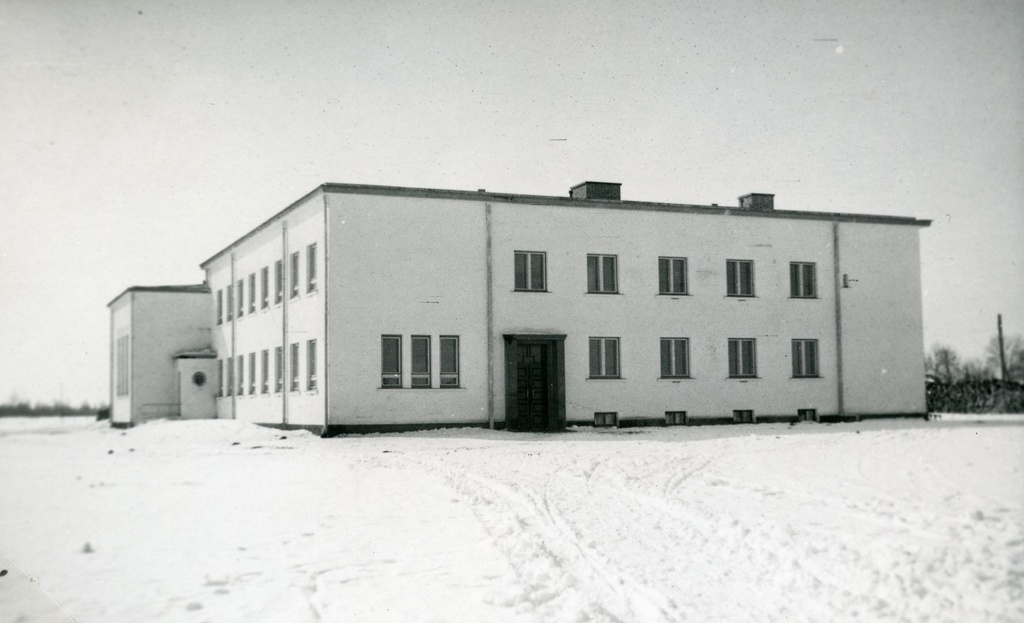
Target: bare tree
943	363
977	370
1014	348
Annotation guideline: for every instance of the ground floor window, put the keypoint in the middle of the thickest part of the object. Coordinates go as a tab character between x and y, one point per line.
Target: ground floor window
311	364
391	361
604	357
742	358
449	361
241	375
805	358
278	370
293	364
264	371
675	357
421	361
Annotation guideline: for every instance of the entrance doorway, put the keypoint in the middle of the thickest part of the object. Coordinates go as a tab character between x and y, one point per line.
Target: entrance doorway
535	382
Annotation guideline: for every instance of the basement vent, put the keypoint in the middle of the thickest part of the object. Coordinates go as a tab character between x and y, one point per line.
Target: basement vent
606	418
675	418
744	416
807	415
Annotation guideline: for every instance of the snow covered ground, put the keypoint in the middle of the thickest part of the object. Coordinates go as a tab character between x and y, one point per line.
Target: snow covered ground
222	521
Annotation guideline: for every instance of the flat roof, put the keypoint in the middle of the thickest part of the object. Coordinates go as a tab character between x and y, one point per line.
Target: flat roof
650	206
197	288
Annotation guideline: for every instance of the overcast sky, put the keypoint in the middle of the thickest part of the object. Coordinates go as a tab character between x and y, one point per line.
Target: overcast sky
139	138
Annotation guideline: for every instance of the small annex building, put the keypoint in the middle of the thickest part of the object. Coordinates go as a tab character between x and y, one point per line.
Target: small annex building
373	308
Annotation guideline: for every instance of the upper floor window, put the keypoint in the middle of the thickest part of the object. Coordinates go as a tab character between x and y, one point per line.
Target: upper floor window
530	271
742	358
449	361
391	361
601	274
604	357
739	277
675	357
264	287
421	361
241	297
311	364
805	358
802	280
252	293
311	267
230	301
278	281
220	306
672	275
294	277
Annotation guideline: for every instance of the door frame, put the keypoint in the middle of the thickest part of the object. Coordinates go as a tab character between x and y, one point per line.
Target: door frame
555	374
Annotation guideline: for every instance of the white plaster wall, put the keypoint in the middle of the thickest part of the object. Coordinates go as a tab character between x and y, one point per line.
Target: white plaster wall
120	325
639	316
883	340
165	323
405	266
254	332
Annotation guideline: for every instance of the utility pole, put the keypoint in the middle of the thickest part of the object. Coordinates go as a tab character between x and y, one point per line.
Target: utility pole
1002	353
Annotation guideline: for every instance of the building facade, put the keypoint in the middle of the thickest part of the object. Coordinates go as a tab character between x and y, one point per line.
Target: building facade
364	308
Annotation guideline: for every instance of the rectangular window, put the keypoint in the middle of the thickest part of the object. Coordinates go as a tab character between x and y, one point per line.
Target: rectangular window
252	374
530	271
122	365
311	267
420	361
293	362
264	371
231	376
311	364
802	280
743	416
742	358
805	358
601	274
294	283
807	415
449	361
264	287
241	375
675	357
675	418
230	299
241	297
220	378
606	418
391	361
252	293
604	357
672	275
278	369
739	277
220	306
278	281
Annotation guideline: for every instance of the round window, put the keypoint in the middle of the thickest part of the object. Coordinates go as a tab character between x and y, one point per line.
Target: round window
199	378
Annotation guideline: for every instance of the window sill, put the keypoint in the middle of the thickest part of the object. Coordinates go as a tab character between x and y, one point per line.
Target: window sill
605	378
740	296
534	291
673	295
589	292
675	379
806	377
803	298
389	388
742	378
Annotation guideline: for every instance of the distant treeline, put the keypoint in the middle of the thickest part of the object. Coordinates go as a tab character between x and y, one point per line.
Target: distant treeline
39	409
988	396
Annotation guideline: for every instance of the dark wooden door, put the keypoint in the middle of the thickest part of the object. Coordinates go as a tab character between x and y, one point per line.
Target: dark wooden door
532	400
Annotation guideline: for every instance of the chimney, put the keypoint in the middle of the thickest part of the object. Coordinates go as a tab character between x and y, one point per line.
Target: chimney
761	202
596	190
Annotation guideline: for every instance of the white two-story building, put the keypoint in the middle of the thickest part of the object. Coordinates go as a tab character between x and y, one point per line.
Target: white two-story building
363	308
